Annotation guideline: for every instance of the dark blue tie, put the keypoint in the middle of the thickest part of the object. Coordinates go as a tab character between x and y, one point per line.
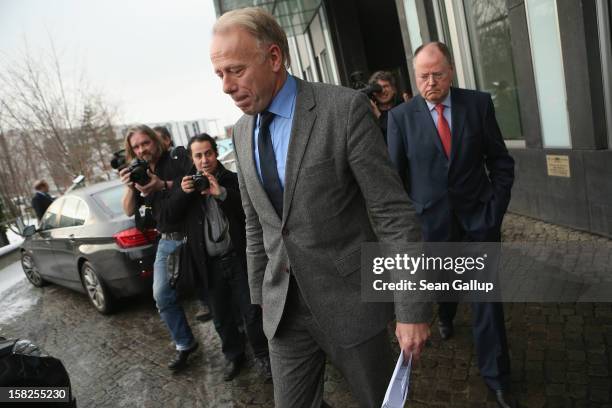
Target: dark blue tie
267	163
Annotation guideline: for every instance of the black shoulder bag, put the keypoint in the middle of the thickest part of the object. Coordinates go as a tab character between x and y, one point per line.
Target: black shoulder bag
143	214
182	275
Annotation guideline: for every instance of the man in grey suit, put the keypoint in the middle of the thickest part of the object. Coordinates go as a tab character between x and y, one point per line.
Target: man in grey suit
316	183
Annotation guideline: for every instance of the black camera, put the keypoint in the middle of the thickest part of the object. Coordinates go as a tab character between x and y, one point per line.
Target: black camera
371	89
118	161
138	172
358	83
200	182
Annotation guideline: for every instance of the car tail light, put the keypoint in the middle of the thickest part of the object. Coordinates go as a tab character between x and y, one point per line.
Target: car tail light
133	237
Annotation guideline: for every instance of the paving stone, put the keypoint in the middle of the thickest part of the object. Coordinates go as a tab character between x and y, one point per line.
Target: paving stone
560	352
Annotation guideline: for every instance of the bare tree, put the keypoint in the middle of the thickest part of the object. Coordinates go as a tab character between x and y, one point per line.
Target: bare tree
51	125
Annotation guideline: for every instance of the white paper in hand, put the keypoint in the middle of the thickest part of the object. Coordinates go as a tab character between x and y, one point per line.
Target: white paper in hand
397	391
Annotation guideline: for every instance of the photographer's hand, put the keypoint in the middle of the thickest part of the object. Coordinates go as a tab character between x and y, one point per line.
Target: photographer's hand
155	184
214	189
187	185
375	109
124	175
128	201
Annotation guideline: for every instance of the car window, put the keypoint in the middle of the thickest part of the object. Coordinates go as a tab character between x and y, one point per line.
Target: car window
110	199
71	213
82	213
49	219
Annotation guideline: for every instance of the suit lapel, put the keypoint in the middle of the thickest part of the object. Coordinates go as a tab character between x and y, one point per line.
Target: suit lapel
303	120
431	131
458	114
250	151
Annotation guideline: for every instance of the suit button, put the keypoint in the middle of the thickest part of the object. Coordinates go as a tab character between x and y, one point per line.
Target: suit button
285	232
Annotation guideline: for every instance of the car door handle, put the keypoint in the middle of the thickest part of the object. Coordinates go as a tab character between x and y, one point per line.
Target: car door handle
71	238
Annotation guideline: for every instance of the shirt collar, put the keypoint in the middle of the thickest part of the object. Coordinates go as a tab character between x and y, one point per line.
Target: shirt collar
446	102
284	101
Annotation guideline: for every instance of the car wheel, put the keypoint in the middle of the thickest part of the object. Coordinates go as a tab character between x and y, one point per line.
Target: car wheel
31	270
98	295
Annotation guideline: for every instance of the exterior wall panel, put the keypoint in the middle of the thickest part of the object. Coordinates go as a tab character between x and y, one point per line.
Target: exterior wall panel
584	200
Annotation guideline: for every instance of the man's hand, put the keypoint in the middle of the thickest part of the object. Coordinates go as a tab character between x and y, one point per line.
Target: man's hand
412	338
214	189
124	175
155	184
375	109
187	185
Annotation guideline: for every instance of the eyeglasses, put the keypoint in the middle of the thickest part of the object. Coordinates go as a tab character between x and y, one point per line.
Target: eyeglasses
437	76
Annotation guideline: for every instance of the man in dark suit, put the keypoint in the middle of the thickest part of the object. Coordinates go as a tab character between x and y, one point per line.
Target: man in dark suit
315	183
449	151
41	199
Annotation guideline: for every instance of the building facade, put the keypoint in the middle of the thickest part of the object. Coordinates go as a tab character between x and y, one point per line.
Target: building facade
546	63
182	131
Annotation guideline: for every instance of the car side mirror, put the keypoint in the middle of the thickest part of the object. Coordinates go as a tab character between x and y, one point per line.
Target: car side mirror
29	231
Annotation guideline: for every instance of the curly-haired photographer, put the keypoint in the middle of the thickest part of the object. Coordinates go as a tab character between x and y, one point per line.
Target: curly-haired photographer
148	179
386	99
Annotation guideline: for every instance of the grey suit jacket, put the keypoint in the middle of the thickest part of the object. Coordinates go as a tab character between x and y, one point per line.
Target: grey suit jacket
340	191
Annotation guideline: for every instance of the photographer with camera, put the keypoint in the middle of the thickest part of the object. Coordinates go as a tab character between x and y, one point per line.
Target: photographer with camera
148	180
178	152
385	99
210	206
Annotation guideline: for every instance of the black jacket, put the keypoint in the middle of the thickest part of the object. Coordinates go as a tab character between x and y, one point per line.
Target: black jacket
188	209
40	203
384	115
169	168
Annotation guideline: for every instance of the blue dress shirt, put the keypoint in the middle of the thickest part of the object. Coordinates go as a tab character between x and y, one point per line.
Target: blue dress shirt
283	107
447	111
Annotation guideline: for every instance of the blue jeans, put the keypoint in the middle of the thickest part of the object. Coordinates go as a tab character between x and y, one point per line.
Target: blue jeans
165	297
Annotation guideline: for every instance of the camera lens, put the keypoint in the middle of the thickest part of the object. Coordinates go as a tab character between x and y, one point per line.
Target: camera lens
200	182
138	172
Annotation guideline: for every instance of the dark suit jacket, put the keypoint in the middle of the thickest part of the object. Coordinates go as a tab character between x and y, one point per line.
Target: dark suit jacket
40	203
340	191
187	208
473	186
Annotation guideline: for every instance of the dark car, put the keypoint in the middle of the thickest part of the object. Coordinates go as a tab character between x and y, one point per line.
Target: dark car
24	365
86	243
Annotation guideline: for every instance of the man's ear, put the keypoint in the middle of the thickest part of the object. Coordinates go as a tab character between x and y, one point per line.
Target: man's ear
276	57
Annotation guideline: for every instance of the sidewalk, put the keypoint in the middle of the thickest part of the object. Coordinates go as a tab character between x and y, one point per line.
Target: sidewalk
560	353
9	253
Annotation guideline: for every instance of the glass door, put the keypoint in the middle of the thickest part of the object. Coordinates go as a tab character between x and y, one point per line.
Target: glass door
478	33
489	36
546	53
604	23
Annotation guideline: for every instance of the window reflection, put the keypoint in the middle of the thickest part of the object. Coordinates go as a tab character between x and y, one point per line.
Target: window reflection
489	34
49	219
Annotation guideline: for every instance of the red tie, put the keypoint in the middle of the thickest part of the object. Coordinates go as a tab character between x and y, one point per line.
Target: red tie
443	130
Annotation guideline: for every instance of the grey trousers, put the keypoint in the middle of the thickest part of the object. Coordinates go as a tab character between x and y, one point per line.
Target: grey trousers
298	352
